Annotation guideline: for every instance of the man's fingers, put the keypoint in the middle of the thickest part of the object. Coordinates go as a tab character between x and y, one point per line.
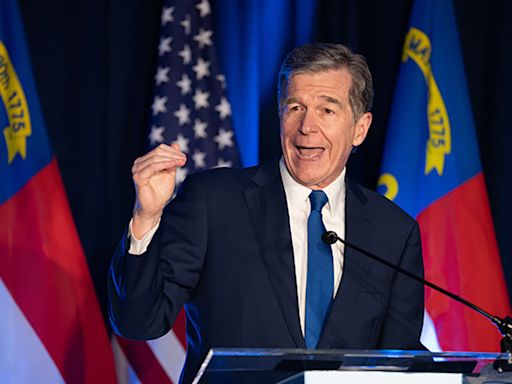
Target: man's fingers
163	150
176	146
164	158
143	161
153	168
177	160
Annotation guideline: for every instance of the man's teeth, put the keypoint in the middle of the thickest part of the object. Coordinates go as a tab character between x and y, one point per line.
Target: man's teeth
310	152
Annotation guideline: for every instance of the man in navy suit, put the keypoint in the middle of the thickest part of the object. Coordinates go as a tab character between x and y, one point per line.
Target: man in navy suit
237	248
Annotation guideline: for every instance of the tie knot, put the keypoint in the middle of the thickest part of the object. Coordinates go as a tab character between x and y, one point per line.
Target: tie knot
318	200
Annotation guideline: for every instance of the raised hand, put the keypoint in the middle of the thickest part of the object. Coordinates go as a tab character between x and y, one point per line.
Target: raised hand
154	176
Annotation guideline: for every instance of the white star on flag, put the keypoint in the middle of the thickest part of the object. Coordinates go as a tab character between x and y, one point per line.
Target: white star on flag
156	136
201	99
186	54
204	8
204	37
186	24
224	138
199	158
158	105
200	129
201	68
167	15
183	114
185	84
162	75
182	141
164	46
224	108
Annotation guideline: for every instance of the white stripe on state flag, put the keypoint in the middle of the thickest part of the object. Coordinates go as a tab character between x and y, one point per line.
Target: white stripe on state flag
429	334
124	372
170	354
23	357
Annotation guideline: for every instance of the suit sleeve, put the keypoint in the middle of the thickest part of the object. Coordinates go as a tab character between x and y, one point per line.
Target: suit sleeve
404	316
147	291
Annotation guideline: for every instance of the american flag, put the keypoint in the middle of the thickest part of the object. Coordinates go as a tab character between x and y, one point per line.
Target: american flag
189	108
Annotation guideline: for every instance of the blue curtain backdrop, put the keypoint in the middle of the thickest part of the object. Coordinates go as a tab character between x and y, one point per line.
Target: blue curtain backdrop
252	39
94	63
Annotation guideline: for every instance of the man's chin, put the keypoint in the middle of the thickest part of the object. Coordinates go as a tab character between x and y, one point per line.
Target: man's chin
308	179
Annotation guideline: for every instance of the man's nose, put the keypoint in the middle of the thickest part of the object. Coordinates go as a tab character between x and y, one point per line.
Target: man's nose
309	123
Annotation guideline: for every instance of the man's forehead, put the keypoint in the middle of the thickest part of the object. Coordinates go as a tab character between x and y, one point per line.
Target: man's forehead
343	72
332	78
326	85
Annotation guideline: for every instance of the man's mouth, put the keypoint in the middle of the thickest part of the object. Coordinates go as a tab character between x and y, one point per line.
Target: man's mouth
309	153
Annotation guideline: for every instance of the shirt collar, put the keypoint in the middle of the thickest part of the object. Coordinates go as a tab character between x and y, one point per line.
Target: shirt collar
298	194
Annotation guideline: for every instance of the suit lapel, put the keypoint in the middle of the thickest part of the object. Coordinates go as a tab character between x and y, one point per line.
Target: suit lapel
267	207
354	266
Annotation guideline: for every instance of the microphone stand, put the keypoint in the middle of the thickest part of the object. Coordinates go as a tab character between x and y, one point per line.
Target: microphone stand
504	325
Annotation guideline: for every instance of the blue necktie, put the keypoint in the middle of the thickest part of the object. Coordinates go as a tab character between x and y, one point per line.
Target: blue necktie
320	282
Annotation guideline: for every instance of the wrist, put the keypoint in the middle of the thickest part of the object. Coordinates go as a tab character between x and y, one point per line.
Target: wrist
142	223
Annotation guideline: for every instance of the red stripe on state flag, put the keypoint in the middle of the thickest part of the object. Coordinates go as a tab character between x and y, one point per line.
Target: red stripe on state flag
143	361
461	255
44	269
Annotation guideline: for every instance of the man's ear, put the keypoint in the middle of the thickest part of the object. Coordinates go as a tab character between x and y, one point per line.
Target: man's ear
361	128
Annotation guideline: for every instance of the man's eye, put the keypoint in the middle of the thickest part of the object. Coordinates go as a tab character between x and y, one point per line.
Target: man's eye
328	111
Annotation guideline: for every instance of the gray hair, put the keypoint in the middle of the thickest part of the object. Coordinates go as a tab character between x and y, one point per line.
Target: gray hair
320	57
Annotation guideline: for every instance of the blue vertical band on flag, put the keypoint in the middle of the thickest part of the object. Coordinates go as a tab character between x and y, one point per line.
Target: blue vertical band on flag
21	124
190	106
431	122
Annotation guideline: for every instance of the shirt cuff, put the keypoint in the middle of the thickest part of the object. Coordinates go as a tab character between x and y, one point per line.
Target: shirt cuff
138	247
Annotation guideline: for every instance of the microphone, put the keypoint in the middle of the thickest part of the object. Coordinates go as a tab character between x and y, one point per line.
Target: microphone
503	325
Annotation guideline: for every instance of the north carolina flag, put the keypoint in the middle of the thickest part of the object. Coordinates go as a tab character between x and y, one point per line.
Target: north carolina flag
432	169
51	329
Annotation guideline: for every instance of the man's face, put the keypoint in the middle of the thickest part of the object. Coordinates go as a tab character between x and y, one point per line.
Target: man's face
318	128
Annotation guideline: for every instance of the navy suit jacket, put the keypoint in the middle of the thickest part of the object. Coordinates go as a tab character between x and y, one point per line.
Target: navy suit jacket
224	250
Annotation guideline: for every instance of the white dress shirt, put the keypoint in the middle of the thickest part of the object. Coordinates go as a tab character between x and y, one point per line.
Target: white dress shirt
333	216
138	247
297	199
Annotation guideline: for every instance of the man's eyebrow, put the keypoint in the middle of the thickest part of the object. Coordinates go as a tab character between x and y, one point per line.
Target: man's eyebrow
331	99
326	98
291	100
